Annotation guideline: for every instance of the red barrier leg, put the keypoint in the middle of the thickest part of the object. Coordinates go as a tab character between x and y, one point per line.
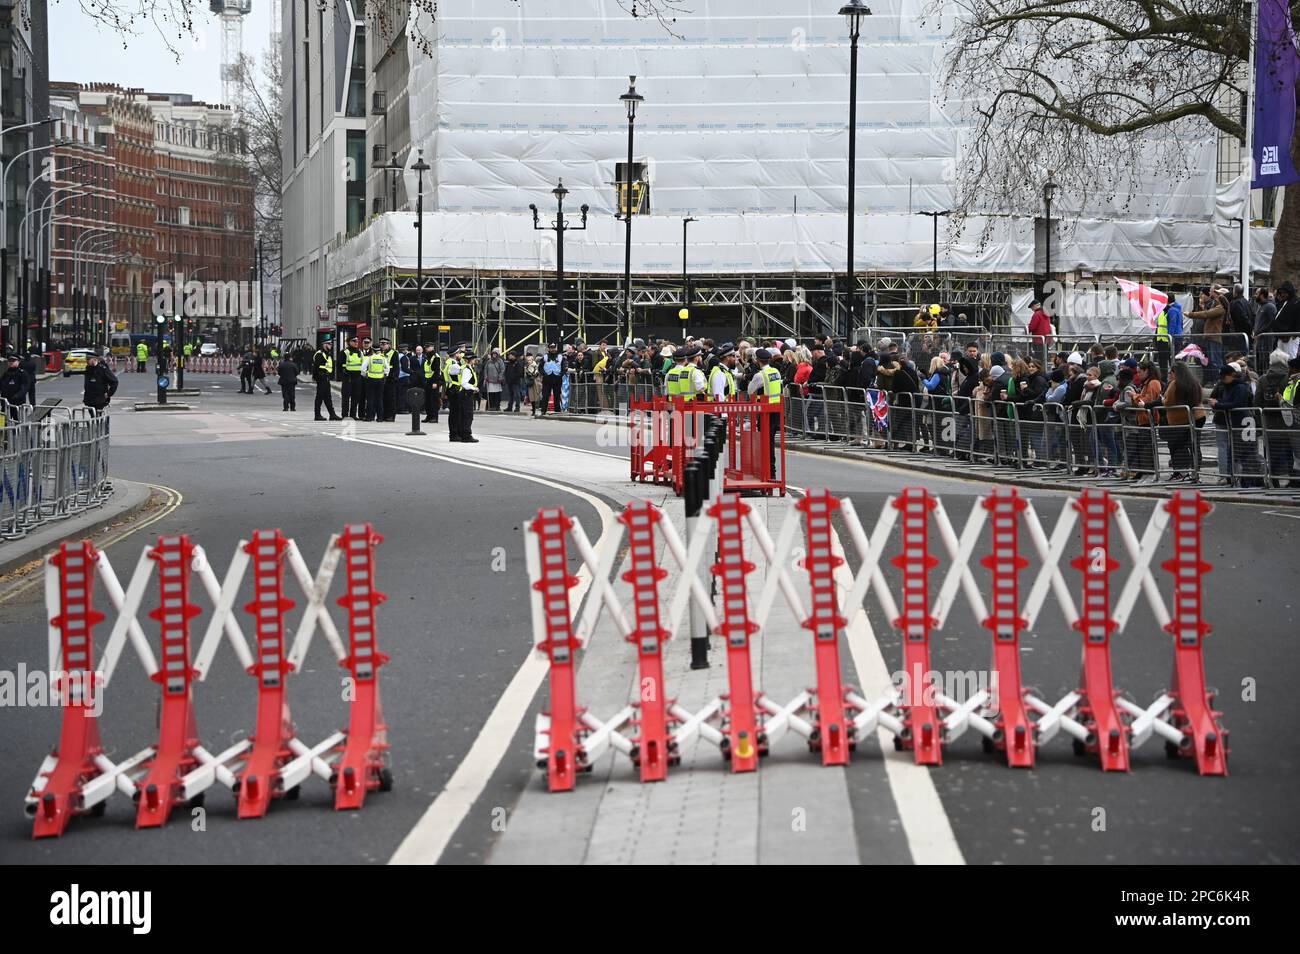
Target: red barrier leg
1193	711
1005	622
731	568
833	722
60	798
1101	715
654	748
363	764
921	716
562	756
259	780
160	790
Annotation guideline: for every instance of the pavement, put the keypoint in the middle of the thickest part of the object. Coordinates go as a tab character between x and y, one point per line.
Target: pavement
128	498
463	687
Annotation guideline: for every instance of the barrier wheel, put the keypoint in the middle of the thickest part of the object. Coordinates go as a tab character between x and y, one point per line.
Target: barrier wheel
898	744
198	800
1171	750
1079	747
385	779
97	811
292	794
987	745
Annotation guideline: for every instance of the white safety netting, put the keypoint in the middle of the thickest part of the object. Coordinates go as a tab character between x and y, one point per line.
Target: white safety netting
744	121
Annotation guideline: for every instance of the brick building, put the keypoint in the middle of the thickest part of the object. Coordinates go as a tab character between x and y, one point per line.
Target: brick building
182	206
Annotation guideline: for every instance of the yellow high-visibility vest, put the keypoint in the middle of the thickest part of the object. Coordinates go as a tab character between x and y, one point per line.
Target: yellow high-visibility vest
142	351
378	367
730	389
772	384
351	359
328	365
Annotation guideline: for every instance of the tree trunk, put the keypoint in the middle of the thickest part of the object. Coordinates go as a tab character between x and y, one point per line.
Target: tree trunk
1286	238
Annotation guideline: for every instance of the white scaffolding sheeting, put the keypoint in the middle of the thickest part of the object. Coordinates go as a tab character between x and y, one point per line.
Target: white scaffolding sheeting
745	114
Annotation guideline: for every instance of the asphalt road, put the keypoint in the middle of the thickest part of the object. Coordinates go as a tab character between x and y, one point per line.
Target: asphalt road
458	631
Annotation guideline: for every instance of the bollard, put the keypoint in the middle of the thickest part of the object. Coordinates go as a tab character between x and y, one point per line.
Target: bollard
415	401
694	491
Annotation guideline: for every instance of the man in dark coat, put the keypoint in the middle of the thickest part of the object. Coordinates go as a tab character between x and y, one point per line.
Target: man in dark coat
100	384
13	381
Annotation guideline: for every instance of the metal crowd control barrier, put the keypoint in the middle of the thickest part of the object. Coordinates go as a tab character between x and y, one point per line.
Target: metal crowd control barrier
604	394
1256	449
78	777
833	717
665	431
51	469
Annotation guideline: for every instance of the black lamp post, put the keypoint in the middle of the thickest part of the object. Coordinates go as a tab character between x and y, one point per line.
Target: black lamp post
934	265
420	167
559	227
686	285
854	11
631	99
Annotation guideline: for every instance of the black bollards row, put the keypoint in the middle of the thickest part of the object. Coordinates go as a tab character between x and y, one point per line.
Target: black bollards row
699	475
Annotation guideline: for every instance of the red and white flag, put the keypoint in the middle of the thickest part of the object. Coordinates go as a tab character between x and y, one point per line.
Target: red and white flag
1146	302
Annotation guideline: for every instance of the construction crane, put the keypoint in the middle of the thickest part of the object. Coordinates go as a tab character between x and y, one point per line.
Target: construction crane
232	13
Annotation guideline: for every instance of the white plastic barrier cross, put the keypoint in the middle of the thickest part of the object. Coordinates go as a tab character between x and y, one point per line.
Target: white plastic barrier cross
832	716
77	778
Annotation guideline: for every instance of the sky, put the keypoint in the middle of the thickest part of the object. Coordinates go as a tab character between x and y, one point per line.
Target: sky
84	51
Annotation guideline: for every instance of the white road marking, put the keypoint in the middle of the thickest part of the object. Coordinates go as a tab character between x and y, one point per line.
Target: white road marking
1283	513
425	843
576	450
925	823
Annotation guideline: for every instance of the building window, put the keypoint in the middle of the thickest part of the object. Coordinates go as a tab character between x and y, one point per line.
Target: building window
356	105
356	186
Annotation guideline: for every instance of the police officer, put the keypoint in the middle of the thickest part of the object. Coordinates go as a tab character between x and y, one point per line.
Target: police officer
673	379
451	378
352	386
141	357
767	385
100	384
552	377
466	394
433	370
394	379
694	384
374	371
722	378
322	371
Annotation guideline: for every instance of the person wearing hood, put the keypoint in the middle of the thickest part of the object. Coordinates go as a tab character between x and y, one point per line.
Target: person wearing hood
1169	327
1232	403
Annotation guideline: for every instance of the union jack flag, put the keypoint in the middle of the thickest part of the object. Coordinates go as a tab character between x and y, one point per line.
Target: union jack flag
878	409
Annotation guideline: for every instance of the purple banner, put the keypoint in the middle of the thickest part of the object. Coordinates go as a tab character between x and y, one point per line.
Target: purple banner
1276	68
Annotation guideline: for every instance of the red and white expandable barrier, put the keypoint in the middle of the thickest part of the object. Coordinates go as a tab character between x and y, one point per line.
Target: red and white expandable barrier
831	716
77	778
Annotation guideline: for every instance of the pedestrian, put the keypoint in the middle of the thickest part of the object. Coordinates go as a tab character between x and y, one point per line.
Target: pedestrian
494	379
514	382
246	372
259	374
350	357
374	371
29	368
462	385
390	380
552	380
432	383
322	371
288	374
100	384
141	356
13	382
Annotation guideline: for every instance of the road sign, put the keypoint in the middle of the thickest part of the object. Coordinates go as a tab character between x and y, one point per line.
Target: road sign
444	327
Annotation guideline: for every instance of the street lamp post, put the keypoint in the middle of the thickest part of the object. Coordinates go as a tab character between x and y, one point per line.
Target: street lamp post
420	167
559	227
1049	193
854	11
686	285
934	265
631	99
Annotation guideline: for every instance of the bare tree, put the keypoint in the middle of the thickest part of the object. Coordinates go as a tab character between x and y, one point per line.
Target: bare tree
1098	91
260	115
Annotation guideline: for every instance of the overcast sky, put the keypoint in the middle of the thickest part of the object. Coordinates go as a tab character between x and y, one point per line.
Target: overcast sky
84	51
